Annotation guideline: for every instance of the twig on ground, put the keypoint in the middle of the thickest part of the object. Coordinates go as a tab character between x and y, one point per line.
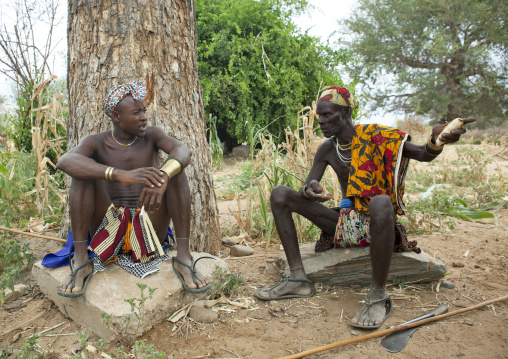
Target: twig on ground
236	258
60	334
230	352
53	327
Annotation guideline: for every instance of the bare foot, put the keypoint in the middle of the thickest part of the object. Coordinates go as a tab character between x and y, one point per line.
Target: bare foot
372	315
285	289
192	280
67	285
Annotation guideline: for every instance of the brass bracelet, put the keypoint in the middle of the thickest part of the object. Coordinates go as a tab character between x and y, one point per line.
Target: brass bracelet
172	167
304	190
433	146
109	173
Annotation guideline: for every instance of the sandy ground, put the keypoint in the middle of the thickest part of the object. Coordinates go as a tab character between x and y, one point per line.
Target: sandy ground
476	258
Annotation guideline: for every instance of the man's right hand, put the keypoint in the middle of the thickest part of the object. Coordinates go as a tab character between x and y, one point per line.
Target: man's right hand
315	192
150	176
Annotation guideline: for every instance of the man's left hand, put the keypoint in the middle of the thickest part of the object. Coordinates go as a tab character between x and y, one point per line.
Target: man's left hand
151	197
451	137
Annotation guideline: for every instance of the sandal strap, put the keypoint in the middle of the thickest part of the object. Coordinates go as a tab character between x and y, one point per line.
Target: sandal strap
370	303
74	270
284	276
197	260
190	267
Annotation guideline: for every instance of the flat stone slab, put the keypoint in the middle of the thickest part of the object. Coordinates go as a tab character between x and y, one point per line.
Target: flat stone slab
107	291
352	266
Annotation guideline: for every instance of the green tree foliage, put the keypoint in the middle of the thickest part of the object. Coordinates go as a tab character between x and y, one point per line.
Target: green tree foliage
446	59
255	66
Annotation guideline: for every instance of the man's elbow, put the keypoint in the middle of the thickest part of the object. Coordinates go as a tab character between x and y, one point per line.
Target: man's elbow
61	165
186	157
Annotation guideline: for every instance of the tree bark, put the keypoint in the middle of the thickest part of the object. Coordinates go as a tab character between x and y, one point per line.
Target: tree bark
114	42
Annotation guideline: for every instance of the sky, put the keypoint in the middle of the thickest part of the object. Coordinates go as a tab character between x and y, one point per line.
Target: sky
322	21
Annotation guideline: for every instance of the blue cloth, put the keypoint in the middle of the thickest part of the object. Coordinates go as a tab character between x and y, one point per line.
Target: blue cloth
346	202
61	258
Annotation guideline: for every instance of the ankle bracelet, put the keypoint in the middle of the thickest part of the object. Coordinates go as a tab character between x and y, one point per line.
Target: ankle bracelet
297	268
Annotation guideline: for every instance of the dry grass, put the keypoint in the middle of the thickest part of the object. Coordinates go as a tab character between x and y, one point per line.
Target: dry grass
285	164
45	120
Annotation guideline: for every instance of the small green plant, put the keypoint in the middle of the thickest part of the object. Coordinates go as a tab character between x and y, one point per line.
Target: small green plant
29	350
16	179
100	344
141	350
400	281
83	338
214	142
226	284
105	319
146	351
137	306
13	259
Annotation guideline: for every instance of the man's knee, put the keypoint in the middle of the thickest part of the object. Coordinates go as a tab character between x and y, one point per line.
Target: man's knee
81	187
280	196
381	209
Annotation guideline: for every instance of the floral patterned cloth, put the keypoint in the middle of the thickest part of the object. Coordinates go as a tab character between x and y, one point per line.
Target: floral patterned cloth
339	96
353	230
136	89
377	166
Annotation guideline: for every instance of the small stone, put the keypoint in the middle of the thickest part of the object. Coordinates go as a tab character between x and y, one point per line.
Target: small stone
203	315
240	251
355	332
477	266
457	264
446	284
19	290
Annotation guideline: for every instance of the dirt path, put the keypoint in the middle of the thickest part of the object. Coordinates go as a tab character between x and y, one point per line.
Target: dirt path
476	258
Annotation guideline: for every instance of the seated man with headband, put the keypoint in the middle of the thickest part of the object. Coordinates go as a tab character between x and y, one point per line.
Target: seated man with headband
370	162
122	200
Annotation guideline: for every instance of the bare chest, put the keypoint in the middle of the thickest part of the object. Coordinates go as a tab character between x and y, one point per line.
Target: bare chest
341	167
127	158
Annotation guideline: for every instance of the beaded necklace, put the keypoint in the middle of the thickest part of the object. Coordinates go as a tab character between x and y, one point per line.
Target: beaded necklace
121	144
344	159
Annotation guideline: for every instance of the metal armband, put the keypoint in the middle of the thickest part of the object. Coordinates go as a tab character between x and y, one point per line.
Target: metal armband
172	166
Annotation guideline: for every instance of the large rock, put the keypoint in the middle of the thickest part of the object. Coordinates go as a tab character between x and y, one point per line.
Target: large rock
107	291
242	151
351	266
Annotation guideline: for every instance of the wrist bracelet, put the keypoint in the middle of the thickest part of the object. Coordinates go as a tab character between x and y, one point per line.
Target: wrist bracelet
305	190
172	167
109	173
433	146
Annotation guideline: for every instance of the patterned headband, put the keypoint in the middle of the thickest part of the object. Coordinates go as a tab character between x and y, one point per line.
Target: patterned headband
118	93
338	95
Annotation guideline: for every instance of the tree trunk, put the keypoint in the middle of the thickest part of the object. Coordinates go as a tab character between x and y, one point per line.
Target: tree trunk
114	42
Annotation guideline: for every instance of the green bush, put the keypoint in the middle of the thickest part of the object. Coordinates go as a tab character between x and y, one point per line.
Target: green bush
13	259
255	65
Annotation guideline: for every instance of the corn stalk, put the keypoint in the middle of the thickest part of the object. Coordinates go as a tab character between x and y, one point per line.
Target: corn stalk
45	120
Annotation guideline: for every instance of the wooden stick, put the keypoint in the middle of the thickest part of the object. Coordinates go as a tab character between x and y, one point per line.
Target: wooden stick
32	234
391	330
